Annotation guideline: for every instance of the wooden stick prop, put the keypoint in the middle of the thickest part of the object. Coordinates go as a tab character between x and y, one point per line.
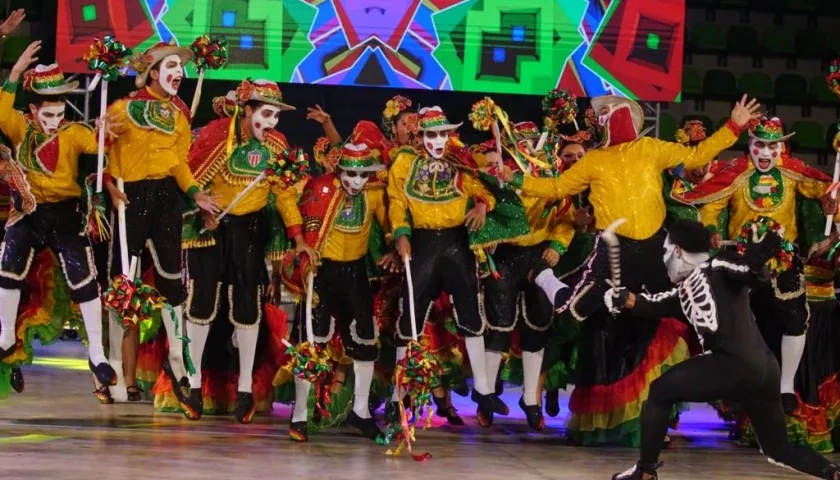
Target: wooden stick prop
208	53
239	197
833	81
106	57
124	265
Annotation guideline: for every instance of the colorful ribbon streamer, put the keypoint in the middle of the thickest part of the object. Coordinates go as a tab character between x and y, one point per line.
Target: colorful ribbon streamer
313	364
107	57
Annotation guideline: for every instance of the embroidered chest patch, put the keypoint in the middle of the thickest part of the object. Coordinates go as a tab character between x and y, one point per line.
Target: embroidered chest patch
249	160
766	190
433	180
38	152
352	214
152	115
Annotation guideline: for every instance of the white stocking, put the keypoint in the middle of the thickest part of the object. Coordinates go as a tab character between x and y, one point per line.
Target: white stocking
176	346
531	365
9	303
363	372
398	395
92	316
115	338
492	362
792	348
198	339
247	340
475	350
549	284
300	412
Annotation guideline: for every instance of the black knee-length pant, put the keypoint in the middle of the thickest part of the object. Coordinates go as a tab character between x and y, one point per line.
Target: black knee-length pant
754	383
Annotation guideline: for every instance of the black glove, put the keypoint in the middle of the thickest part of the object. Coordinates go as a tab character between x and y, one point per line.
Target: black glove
17	201
759	252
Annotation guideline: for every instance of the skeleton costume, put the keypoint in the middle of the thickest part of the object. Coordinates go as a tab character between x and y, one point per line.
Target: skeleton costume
227	266
338	213
46	213
150	156
428	196
611	388
767	182
713	295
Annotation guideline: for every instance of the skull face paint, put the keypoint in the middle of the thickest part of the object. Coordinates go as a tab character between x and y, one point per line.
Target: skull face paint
765	155
435	143
171	74
353	182
49	118
265	117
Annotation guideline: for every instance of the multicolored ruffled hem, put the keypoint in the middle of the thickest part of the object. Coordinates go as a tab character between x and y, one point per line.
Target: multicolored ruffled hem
219	390
45	311
610	414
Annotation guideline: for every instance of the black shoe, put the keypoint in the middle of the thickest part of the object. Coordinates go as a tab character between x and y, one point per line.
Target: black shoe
789	403
7	352
180	387
366	426
298	432
133	393
490	403
533	414
245	407
552	403
103	372
637	473
103	394
831	472
448	412
193	405
17	380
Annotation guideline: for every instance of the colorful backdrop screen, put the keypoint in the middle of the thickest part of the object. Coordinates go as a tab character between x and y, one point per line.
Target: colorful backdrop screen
591	47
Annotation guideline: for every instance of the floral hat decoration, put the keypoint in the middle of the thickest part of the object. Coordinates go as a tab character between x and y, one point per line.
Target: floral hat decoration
393	108
769	130
264	91
692	133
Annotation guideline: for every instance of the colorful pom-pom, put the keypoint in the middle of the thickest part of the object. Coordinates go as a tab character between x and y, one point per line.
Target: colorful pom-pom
107	57
209	53
763	225
559	106
483	114
132	300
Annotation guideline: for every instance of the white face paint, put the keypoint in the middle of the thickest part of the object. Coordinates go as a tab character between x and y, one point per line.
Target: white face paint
49	118
171	74
679	263
604	115
353	182
265	117
435	143
765	155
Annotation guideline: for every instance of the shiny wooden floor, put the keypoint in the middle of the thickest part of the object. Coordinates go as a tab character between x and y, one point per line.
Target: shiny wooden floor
57	430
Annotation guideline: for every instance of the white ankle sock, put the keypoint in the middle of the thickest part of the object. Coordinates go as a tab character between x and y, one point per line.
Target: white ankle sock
792	348
176	346
198	339
363	372
549	284
531	365
9	303
247	340
475	350
301	410
492	362
92	316
398	395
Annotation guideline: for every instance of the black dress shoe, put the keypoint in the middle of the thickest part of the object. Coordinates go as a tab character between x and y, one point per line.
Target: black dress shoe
366	426
104	373
444	410
180	387
533	414
245	407
789	403
298	432
17	380
490	403
193	407
552	403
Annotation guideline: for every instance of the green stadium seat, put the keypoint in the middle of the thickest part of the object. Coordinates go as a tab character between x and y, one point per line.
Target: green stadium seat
667	127
720	83
778	41
708	37
13	48
757	84
809	136
820	92
742	40
707	122
692	82
811	44
792	89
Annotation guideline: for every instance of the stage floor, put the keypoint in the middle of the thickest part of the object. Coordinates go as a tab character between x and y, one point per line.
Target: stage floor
57	430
